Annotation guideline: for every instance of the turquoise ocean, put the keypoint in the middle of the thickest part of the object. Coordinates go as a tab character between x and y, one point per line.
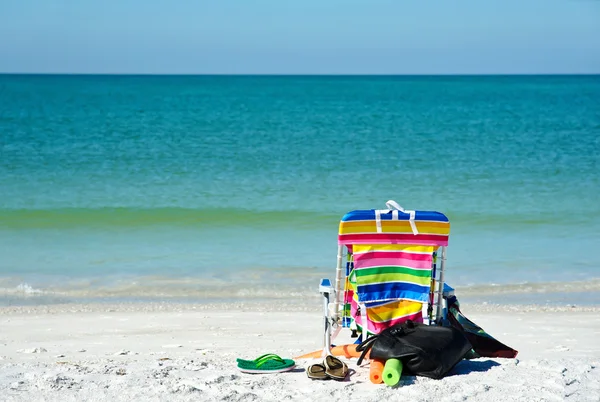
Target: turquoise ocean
228	188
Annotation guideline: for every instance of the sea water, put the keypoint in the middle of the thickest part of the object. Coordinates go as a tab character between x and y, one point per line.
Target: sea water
226	187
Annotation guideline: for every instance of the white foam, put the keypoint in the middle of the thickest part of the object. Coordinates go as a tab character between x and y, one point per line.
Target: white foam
23	288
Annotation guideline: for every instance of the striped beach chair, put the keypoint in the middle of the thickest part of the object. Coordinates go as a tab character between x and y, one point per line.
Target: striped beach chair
387	271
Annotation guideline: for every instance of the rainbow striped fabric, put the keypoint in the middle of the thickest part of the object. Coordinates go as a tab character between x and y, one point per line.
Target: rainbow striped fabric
380	315
361	227
391	263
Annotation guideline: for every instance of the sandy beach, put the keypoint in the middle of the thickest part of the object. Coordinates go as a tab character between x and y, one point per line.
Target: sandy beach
156	352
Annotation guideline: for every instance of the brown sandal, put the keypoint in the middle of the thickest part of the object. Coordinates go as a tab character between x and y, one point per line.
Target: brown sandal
335	368
316	372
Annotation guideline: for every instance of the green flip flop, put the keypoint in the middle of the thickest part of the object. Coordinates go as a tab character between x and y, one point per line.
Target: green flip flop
268	363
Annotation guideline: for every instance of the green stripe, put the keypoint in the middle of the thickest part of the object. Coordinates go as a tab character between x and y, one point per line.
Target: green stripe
364	280
393	270
393	274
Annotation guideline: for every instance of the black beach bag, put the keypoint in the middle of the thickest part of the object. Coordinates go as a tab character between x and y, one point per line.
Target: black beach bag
425	350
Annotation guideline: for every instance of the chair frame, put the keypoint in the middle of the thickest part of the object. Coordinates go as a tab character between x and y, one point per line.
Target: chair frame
331	309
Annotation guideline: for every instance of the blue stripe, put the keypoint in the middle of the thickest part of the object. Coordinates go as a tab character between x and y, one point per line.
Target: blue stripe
363	215
392	290
377	304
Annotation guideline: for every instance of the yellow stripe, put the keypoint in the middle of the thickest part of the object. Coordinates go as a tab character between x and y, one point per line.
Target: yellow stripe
391	223
424	227
393	310
409	248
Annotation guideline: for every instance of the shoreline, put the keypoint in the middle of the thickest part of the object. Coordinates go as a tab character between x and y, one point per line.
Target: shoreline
547	296
275	305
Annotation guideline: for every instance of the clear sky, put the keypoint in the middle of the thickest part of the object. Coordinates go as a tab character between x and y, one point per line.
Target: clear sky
307	37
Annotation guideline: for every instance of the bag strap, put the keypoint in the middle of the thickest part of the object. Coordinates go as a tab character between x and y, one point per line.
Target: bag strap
395	331
364	347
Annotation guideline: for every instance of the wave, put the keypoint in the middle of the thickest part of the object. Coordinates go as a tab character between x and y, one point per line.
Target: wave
202	288
24	289
121	217
182	291
512	219
140	217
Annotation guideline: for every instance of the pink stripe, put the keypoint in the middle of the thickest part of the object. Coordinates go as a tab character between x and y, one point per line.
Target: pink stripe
353	307
348	296
375	262
395	254
391	238
377	327
392	258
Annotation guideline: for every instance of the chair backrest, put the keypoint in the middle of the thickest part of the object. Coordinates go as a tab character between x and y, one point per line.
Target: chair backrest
391	262
394	227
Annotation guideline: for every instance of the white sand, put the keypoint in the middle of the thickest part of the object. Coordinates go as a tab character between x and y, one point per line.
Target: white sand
168	352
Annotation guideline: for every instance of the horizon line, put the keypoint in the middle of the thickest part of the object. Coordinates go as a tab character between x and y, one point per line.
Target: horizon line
304	74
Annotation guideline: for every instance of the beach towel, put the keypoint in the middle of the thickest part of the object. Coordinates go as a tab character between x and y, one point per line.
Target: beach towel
391	281
484	345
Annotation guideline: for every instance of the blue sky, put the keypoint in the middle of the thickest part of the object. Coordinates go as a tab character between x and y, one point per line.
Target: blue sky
306	37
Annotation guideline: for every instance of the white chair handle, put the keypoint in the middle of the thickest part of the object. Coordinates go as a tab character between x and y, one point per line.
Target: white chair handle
391	204
394	207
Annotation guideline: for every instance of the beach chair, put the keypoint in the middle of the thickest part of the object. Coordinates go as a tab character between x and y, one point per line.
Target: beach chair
387	272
